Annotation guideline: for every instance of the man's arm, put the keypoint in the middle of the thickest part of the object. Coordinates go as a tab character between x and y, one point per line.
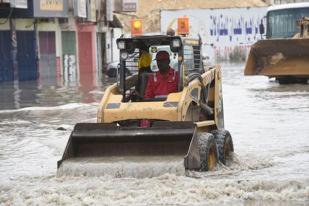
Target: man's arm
176	80
149	93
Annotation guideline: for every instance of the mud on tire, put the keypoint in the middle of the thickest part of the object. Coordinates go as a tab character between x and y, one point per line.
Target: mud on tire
225	145
208	151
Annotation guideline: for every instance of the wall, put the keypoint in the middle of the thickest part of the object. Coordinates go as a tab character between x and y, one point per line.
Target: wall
24	24
149	11
227	29
108	47
117	33
4	26
21	24
112	52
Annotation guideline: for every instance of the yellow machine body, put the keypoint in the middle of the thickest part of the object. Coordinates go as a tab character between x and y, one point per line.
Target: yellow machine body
175	108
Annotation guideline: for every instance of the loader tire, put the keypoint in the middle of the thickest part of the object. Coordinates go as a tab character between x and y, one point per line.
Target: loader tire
225	145
208	151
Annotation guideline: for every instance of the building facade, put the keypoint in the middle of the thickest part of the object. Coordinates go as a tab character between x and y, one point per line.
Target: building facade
54	42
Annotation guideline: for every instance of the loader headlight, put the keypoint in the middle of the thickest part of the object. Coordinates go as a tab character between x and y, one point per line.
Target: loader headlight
176	43
121	45
124	55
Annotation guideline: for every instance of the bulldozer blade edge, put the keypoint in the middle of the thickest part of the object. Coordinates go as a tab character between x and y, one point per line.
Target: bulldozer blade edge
279	57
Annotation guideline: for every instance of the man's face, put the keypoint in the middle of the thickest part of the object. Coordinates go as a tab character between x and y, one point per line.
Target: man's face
163	65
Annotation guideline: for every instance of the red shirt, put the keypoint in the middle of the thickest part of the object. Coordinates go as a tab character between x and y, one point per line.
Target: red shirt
161	85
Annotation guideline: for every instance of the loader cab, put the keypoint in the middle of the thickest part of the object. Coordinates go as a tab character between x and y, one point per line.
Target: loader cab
282	19
184	54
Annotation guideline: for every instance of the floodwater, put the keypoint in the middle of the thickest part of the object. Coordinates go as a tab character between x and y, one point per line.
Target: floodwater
269	124
129	166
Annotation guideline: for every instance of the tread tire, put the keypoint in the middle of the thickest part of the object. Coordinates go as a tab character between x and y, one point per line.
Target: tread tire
207	146
223	140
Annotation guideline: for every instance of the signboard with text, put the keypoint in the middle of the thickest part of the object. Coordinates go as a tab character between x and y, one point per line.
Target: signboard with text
50	8
51	5
129	5
21	4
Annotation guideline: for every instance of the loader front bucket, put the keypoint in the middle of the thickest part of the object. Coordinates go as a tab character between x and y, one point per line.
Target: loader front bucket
279	57
97	140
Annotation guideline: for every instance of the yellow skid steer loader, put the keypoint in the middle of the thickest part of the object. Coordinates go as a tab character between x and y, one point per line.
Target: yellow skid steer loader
187	123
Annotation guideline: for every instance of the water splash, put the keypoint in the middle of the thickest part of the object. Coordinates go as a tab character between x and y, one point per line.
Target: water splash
133	166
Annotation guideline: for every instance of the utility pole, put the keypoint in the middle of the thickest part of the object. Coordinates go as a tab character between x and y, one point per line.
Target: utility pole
14	48
14	51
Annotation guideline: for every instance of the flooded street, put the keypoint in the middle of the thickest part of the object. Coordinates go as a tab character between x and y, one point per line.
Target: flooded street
269	124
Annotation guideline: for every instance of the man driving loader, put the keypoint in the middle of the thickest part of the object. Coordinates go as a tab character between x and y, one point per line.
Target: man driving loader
163	82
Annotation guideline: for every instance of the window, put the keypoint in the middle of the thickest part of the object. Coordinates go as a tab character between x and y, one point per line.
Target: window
282	23
188	58
153	50
192	59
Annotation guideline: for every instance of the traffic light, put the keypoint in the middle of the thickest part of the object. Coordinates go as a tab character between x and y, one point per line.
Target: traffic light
136	27
183	25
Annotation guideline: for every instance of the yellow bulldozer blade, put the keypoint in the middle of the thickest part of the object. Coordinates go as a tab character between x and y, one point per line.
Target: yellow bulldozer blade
279	57
104	141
